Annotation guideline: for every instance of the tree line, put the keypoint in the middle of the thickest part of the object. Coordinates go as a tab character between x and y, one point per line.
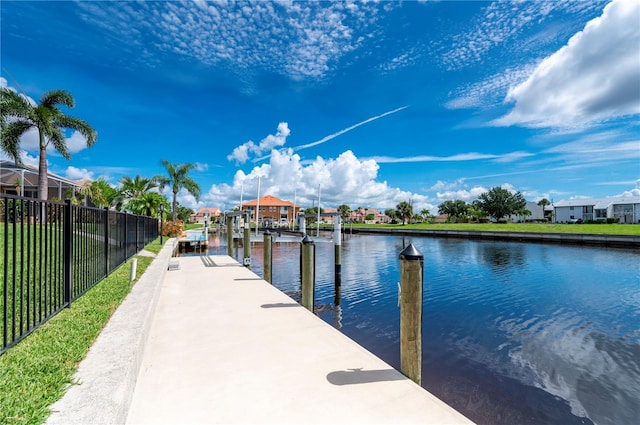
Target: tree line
496	203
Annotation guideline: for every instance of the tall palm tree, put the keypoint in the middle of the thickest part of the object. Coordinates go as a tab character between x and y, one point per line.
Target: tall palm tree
20	116
178	179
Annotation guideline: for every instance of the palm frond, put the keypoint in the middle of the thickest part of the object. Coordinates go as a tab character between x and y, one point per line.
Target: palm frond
57	97
78	125
10	138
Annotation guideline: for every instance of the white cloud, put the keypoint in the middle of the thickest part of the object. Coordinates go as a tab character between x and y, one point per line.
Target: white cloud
632	192
73	173
491	91
499	23
76	142
241	153
469	156
199	166
593	78
463	194
337	133
343	180
301	40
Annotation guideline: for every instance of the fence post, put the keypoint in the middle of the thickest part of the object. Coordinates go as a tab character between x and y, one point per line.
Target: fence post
67	235
308	272
267	256
106	242
411	275
126	234
137	231
246	247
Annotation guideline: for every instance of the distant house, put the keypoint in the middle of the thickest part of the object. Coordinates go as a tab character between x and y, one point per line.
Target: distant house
271	210
625	208
359	216
23	180
328	219
441	218
537	212
208	214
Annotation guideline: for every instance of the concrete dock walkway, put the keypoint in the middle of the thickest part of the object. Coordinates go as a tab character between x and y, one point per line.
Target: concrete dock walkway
223	346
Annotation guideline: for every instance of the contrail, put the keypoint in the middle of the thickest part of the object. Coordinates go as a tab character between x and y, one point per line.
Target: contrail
338	133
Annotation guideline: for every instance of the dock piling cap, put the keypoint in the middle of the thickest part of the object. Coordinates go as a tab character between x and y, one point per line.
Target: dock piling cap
307	239
411	253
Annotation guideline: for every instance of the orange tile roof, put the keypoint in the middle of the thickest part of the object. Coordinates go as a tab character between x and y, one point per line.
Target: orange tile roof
214	211
269	201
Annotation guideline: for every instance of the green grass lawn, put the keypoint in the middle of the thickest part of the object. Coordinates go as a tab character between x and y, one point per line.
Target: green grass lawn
605	229
35	372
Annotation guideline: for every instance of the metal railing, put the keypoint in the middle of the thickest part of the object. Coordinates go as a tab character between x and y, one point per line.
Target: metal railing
53	252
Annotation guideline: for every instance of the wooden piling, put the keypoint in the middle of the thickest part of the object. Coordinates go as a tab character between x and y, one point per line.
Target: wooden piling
230	236
411	276
267	256
308	273
337	246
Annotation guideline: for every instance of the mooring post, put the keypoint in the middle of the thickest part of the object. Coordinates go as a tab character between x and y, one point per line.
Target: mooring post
246	247
308	250
267	256
337	246
134	265
230	236
302	224
411	275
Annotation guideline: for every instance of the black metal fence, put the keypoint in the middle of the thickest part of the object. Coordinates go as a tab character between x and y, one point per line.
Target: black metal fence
54	252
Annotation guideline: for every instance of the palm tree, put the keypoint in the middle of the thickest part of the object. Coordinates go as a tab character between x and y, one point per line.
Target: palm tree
344	211
178	179
404	210
543	203
148	204
425	213
20	116
102	193
132	189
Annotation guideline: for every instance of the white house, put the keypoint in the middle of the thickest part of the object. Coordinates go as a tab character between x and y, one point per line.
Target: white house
537	213
625	208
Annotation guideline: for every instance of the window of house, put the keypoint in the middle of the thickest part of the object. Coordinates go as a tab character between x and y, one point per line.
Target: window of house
571	209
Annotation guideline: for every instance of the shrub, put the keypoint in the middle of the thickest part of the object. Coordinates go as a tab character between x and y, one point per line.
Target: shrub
613	220
172	228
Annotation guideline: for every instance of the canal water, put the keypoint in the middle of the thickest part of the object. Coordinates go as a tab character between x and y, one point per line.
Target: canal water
513	333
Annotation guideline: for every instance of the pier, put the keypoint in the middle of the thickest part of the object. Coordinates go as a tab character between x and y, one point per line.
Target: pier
211	342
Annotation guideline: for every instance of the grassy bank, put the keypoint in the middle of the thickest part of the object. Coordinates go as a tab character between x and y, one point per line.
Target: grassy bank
35	373
596	229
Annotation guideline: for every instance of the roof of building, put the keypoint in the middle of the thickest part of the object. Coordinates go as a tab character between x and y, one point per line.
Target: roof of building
9	172
269	201
598	203
212	211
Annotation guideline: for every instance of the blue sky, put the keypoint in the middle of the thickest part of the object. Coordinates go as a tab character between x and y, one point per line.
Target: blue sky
373	102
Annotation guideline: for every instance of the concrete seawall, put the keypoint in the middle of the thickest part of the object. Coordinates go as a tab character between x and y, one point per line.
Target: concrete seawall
610	241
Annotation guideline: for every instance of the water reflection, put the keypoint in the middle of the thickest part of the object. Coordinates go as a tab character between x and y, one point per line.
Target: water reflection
513	333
